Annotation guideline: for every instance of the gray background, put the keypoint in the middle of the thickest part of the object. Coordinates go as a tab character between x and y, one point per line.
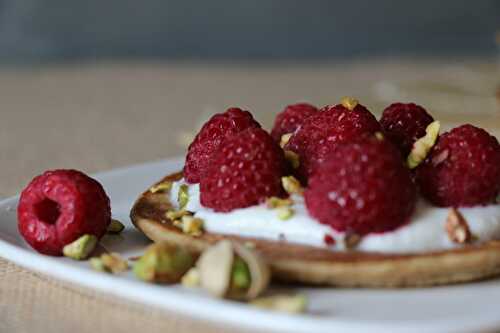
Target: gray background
64	30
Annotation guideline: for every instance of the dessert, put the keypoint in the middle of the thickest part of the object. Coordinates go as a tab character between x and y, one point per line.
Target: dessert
357	218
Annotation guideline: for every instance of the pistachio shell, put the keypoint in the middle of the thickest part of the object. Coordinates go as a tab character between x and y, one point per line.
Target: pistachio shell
259	270
215	266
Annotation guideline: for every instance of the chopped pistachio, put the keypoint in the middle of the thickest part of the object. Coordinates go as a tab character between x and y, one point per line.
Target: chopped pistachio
422	146
191	279
292	185
115	227
293	158
161	187
110	263
283	303
97	264
163	263
192	225
457	227
349	103
285	213
176	214
80	248
379	136
114	263
284	139
275	202
240	275
351	240
183	196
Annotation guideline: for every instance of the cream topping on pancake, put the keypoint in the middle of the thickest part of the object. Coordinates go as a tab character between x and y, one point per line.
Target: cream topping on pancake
425	232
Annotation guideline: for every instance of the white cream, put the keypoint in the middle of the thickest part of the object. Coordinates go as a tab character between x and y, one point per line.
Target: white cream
424	233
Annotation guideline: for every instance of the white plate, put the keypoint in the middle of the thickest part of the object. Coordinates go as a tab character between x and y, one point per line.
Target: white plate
463	308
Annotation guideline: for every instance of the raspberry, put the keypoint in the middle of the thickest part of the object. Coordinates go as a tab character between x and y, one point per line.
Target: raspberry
58	207
403	124
291	118
323	131
462	169
215	131
245	171
362	187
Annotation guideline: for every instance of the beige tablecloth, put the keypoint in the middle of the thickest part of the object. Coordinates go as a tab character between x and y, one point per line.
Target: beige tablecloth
98	117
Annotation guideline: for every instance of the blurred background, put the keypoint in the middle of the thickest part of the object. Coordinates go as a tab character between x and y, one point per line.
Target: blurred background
99	84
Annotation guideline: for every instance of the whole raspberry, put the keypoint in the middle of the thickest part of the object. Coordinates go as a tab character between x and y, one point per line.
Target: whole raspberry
462	169
215	131
362	187
404	123
58	207
291	118
245	171
323	131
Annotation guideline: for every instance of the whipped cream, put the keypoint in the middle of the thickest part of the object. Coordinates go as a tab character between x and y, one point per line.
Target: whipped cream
425	231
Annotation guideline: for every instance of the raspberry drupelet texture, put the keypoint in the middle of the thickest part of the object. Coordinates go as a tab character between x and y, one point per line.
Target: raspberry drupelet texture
363	188
462	169
323	131
291	118
404	123
206	142
58	207
245	171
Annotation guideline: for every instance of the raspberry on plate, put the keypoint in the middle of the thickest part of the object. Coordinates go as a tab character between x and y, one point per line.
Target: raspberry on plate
404	123
323	131
58	207
462	169
291	118
245	171
363	188
206	142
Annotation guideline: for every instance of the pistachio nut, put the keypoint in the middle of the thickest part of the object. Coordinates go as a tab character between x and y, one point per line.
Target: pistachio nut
161	187
115	227
284	303
292	185
81	248
191	225
275	202
231	270
183	196
163	263
110	263
176	214
285	213
292	158
284	139
349	103
423	146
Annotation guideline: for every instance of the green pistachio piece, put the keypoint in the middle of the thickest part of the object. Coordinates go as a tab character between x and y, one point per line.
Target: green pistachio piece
423	146
292	185
183	196
240	275
349	103
97	264
80	248
292	158
284	139
163	263
115	227
161	187
285	213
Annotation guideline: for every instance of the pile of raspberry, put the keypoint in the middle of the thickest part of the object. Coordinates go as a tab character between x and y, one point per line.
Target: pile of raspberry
353	167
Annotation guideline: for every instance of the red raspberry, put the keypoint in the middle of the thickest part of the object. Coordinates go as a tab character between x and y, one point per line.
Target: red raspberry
245	171
215	131
462	169
60	206
362	187
323	131
291	118
404	123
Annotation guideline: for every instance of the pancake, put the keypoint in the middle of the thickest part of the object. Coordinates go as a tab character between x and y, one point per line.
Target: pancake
316	266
